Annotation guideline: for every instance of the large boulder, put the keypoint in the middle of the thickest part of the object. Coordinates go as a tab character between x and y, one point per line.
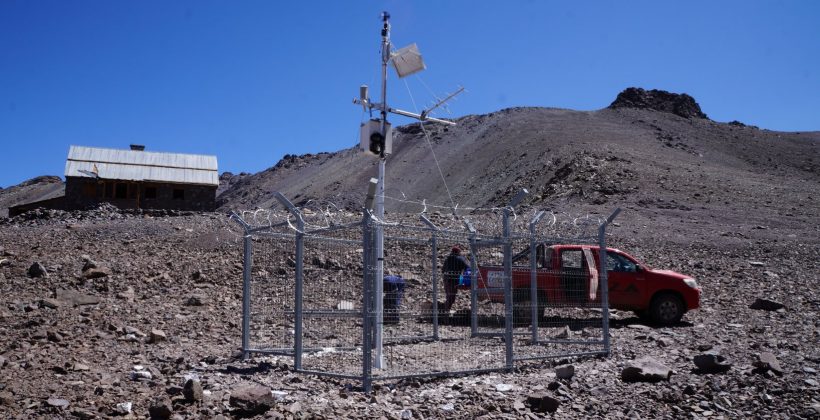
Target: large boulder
37	270
711	363
766	305
645	369
192	391
76	298
543	403
251	400
767	362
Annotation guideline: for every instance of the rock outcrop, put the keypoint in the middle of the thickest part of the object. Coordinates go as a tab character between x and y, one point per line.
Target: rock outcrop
679	104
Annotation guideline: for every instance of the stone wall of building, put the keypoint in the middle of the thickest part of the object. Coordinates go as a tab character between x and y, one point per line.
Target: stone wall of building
83	193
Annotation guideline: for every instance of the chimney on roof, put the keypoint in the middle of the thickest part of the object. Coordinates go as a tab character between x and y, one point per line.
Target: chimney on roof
137	147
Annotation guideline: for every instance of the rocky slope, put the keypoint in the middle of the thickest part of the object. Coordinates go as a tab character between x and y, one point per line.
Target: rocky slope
637	152
35	189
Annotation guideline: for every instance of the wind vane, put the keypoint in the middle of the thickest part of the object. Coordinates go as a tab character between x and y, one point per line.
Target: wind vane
376	138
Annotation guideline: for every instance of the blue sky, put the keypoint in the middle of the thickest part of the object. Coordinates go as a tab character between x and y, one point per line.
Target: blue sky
251	81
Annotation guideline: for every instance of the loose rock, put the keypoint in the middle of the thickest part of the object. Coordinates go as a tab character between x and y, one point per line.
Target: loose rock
6	399
712	363
768	362
251	400
141	374
37	270
123	408
646	369
161	409
96	273
192	391
157	336
50	303
58	402
565	371
195	300
766	305
76	298
543	403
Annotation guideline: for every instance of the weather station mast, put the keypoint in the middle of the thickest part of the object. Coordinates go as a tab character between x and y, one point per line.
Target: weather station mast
376	138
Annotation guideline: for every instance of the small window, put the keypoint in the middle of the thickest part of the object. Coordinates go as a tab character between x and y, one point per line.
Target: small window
179	194
572	258
150	193
121	190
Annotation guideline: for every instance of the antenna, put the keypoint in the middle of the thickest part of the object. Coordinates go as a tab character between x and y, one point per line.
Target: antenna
376	138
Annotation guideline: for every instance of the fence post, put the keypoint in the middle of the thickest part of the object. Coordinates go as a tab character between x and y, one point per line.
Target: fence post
508	294
247	256
299	298
474	280
534	276
508	283
604	278
367	302
298	292
368	277
434	265
247	262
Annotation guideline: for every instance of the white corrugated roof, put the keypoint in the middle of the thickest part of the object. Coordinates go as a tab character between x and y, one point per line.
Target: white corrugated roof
134	165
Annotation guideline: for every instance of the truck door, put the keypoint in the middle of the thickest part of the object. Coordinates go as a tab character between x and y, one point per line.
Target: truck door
627	285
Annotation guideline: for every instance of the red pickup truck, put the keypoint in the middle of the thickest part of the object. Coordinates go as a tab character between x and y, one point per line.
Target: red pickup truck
566	276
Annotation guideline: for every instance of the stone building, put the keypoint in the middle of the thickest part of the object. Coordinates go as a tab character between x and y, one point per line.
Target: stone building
134	178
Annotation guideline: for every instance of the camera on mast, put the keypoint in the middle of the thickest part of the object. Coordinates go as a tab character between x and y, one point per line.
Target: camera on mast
372	140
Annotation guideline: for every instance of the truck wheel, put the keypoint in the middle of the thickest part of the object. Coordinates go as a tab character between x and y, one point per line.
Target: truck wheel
666	309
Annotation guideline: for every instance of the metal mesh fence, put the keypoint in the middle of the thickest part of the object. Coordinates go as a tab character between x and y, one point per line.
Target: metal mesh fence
428	336
332	302
501	289
272	285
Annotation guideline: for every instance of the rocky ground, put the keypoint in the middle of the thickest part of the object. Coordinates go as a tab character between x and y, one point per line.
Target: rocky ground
106	313
137	315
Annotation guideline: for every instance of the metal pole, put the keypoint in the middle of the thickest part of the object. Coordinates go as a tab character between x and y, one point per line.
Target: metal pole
533	284
247	260
434	272
379	278
367	301
474	280
434	264
536	311
604	278
508	295
473	286
299	294
385	60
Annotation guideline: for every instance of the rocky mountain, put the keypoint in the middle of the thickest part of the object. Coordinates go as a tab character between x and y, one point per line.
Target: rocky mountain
35	189
649	149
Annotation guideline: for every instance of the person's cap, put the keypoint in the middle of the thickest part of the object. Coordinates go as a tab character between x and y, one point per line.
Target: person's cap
456	250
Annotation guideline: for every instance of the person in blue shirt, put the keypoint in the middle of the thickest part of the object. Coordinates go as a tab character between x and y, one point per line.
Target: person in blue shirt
454	266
